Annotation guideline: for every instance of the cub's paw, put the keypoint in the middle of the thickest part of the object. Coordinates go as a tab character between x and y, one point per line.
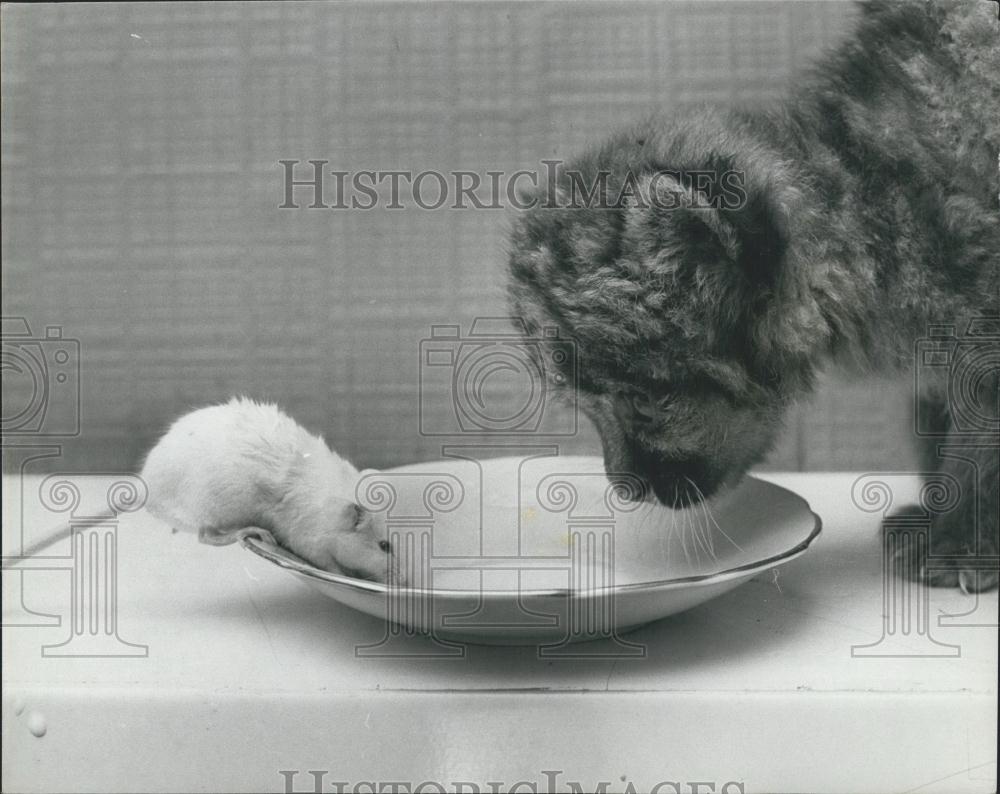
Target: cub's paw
942	557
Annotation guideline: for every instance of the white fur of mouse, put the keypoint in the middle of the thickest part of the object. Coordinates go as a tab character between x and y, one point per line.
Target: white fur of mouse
221	469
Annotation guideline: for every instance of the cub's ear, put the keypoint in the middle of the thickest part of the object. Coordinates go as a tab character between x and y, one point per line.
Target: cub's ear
735	228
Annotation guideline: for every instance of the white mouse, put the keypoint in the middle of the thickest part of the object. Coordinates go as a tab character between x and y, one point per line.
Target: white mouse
225	468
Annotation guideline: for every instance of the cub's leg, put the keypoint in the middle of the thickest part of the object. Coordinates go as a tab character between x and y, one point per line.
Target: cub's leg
964	539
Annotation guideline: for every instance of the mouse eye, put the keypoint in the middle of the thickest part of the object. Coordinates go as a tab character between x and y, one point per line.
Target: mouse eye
385	545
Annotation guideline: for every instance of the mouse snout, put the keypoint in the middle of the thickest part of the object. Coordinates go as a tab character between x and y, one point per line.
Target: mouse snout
368	552
393	568
392	561
395	577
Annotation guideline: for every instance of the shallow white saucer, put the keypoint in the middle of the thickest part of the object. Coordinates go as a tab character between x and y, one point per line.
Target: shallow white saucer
545	550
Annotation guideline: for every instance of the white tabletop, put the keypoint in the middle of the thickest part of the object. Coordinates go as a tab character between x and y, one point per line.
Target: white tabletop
788	683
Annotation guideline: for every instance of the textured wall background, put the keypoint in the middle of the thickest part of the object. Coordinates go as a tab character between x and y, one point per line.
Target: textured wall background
141	186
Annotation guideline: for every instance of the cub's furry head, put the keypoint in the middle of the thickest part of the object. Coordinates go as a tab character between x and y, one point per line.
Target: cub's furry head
669	257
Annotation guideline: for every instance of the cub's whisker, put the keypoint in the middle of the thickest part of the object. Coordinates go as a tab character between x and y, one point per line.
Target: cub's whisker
708	510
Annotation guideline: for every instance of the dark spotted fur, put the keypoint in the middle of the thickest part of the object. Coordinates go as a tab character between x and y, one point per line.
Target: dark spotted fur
867	212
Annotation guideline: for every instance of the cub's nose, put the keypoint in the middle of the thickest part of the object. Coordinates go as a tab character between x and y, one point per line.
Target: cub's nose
675	481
